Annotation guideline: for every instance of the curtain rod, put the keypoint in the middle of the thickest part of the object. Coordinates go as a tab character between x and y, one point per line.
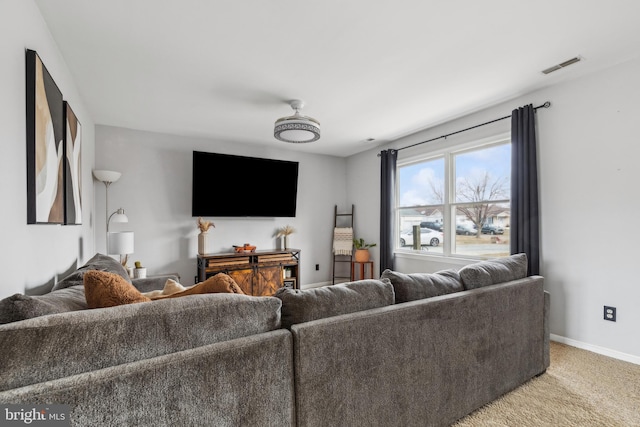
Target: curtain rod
545	105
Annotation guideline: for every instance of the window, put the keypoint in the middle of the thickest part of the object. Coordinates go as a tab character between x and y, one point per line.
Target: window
458	199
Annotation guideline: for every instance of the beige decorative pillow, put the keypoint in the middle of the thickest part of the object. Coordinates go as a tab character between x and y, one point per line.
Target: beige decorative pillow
220	283
104	289
170	287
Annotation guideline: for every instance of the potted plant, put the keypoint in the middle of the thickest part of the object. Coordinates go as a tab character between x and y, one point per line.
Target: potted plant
362	250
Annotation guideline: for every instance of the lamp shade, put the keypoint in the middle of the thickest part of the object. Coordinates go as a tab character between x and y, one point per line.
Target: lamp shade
120	242
106	176
119	216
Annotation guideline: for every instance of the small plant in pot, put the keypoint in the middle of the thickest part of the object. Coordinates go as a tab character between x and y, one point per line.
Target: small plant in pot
362	250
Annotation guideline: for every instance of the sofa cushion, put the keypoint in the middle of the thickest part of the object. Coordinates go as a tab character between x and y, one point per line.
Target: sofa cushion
20	307
414	286
98	262
103	289
498	270
300	306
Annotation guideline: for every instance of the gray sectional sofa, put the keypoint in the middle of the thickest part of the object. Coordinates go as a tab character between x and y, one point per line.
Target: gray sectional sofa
405	350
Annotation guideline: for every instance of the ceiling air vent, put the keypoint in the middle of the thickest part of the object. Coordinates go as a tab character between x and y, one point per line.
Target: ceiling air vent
562	65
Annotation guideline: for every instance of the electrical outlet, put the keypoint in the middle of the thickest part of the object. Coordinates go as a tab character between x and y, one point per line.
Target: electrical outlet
609	313
317	267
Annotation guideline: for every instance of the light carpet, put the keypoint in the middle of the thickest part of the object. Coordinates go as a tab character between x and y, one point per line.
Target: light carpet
580	388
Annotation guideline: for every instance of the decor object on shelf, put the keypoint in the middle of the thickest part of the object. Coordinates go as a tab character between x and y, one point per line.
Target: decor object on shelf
139	272
245	248
203	242
362	250
45	148
297	128
284	233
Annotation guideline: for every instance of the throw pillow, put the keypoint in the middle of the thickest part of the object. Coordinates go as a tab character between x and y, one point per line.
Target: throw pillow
220	283
170	287
494	271
300	306
98	262
414	286
20	307
105	289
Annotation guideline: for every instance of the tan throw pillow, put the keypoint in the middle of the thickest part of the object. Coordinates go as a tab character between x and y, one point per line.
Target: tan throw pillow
220	283
104	289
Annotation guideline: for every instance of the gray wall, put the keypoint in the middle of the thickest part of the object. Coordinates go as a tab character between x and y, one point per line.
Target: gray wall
32	256
155	191
588	157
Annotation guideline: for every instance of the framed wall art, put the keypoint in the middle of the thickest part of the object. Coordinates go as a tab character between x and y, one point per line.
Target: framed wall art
72	167
45	145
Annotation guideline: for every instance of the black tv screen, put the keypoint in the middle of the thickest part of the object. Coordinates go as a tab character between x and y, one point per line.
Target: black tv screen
238	186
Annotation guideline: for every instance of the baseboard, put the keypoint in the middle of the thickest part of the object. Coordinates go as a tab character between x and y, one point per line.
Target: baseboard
597	349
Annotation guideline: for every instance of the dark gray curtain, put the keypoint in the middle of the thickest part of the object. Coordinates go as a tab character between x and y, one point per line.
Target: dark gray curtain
525	235
387	207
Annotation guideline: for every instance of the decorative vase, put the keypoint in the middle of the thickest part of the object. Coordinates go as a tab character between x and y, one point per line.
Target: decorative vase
286	242
203	243
362	255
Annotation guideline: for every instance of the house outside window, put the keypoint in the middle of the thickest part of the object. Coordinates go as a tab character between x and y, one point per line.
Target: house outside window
458	199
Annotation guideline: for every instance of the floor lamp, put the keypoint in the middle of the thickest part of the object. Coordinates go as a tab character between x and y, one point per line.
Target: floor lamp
109	177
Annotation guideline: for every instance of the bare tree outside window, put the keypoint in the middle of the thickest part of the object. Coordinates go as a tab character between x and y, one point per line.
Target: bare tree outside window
478	192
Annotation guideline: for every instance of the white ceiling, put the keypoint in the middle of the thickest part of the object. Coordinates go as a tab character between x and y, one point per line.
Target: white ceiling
225	69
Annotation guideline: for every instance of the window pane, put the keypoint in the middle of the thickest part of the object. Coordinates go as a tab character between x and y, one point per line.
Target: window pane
486	239
457	202
421	197
483	174
429	221
421	184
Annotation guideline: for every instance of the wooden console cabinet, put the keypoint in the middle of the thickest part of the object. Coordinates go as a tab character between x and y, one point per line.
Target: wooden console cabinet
259	273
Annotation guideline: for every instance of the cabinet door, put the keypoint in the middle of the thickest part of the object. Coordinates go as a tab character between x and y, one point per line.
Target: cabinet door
267	280
244	279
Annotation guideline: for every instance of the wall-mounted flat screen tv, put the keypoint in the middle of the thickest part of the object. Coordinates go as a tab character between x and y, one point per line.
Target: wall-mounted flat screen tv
226	185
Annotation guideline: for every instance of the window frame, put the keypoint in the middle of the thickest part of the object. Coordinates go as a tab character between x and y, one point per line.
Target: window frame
449	205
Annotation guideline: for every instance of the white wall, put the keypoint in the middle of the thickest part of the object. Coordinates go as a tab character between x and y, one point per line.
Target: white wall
155	191
32	256
589	174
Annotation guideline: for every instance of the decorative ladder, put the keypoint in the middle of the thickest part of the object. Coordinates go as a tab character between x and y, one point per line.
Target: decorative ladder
341	220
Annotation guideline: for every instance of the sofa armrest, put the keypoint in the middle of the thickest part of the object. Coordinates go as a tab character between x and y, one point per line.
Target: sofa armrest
153	283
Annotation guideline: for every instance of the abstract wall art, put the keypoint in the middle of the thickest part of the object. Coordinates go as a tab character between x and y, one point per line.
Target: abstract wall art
72	167
45	145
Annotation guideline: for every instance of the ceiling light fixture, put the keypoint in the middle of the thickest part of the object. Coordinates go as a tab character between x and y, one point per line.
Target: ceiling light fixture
297	128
